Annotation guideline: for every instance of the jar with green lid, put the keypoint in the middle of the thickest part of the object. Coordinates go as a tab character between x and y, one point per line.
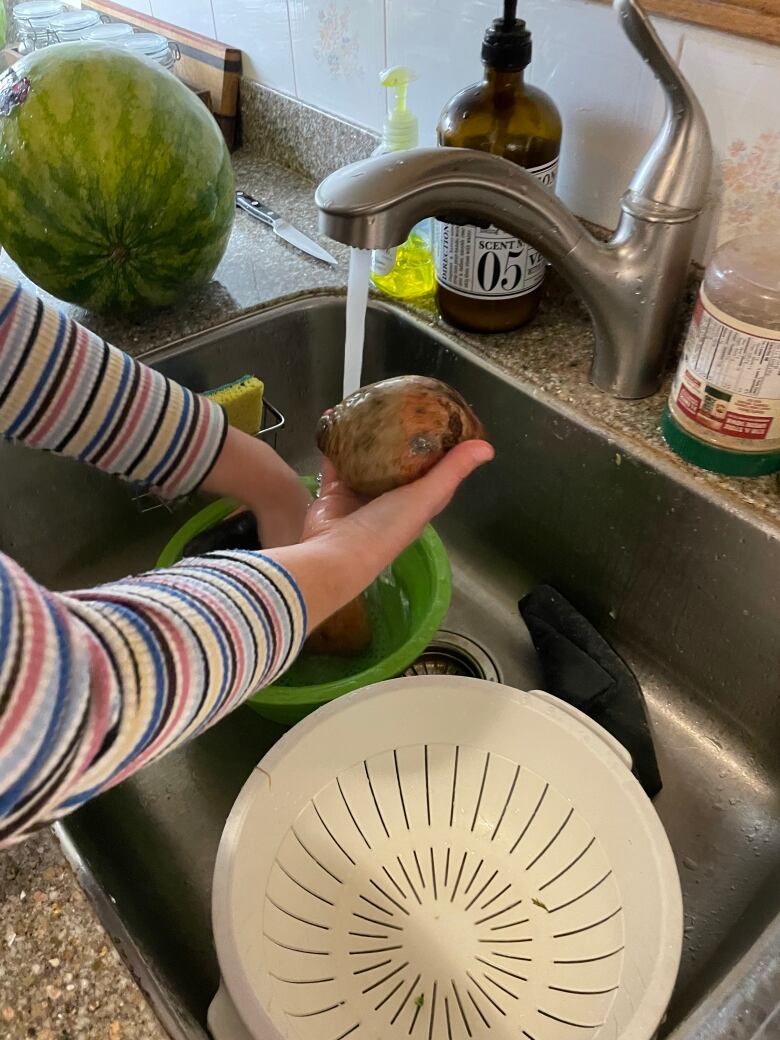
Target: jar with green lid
723	412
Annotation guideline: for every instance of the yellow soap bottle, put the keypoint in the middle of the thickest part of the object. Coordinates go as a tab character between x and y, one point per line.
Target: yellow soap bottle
405	272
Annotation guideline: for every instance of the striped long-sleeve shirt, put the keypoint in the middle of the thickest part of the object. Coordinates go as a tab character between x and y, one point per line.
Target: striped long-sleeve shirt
96	683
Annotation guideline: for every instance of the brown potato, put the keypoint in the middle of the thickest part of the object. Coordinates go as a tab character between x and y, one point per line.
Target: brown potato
346	633
392	432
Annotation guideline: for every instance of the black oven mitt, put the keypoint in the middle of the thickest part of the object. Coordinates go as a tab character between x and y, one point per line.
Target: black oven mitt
581	668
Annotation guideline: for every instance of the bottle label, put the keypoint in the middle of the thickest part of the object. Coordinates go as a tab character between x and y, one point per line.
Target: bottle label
488	263
383	260
727	386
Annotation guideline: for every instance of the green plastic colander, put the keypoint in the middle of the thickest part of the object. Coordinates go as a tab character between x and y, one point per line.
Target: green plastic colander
407	606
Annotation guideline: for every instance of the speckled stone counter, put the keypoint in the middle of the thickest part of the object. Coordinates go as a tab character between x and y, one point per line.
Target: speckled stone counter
60	978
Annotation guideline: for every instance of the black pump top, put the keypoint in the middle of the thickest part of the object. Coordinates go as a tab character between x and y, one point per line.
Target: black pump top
507	43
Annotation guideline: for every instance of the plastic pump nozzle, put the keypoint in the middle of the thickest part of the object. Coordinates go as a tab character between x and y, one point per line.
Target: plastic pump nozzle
400	127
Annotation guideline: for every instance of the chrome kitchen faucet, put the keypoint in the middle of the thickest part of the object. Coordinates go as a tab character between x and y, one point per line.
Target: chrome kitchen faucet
633	283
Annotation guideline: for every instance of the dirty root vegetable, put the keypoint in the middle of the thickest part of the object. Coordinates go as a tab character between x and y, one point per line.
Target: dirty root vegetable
393	432
346	633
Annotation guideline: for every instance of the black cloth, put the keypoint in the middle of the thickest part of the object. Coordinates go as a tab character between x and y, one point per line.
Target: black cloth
581	668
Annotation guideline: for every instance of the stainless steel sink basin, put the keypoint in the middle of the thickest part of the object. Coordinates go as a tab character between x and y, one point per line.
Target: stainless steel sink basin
686	588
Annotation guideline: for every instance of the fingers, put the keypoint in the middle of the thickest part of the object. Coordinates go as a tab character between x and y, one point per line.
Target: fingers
424	499
334	501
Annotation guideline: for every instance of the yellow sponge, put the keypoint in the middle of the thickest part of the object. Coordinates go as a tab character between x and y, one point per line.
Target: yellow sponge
242	401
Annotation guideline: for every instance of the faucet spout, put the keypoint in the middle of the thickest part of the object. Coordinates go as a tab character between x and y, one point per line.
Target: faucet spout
632	284
375	203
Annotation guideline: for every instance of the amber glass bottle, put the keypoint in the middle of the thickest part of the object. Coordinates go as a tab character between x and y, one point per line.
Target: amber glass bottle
489	281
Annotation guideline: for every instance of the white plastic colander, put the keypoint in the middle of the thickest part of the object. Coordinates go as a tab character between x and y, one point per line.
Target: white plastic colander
444	859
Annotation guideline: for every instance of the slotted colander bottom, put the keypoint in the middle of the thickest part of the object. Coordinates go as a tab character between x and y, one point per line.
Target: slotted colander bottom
429	892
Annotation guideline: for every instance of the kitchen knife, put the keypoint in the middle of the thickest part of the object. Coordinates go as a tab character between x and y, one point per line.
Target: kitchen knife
283	228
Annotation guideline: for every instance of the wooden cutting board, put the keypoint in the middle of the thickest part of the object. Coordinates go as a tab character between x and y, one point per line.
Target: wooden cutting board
210	68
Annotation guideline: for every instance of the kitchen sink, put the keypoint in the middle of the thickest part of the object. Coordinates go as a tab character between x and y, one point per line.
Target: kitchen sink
686	588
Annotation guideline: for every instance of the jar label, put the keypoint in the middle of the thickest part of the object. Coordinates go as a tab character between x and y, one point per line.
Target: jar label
13	92
728	382
488	263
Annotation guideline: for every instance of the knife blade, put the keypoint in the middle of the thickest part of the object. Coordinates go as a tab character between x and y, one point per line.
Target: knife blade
283	228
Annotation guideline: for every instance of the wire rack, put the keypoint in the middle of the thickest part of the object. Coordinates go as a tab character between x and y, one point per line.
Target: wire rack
146	501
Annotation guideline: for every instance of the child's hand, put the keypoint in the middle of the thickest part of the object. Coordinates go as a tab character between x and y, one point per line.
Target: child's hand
251	472
347	543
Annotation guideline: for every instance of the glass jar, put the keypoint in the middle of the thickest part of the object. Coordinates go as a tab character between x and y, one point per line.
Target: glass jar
32	19
152	45
110	32
723	411
73	25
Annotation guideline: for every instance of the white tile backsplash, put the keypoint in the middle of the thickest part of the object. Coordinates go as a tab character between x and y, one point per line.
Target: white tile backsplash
608	98
142	6
339	51
329	54
261	28
195	15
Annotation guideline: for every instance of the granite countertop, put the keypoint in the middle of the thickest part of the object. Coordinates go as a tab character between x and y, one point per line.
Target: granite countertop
60	978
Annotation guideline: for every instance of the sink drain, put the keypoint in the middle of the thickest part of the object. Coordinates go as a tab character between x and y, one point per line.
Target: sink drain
454	654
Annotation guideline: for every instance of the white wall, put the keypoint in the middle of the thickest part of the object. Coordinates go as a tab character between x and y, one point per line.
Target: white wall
329	53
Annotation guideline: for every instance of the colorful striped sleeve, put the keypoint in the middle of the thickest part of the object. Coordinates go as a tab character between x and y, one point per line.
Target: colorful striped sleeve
96	684
65	390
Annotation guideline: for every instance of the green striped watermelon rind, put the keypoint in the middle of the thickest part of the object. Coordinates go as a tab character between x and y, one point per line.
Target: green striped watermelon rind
116	186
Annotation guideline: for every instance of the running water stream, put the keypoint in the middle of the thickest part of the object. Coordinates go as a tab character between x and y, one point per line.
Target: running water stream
357	300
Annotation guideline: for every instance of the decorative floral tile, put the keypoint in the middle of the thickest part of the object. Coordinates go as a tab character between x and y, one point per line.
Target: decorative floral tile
751	184
338	48
339	51
738	83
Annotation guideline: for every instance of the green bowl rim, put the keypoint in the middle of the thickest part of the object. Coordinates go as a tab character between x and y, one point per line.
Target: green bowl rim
438	563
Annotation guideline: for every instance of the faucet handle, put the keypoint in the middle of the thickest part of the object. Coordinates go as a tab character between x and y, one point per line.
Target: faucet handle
674	176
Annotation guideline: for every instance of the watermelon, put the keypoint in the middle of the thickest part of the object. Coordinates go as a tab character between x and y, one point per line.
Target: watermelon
116	187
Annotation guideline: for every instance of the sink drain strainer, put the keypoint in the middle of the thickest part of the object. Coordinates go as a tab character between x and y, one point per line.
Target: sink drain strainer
454	654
